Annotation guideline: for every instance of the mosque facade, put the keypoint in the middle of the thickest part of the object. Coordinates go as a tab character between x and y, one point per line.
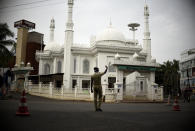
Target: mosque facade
131	69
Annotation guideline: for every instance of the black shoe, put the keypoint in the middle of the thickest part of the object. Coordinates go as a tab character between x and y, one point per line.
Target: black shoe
96	110
100	110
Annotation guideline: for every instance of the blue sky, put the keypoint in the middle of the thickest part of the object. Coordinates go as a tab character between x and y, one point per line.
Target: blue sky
172	22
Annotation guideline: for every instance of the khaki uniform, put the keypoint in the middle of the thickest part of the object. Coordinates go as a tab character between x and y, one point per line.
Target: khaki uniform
97	89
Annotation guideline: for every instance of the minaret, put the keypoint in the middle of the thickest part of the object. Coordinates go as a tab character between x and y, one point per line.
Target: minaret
67	45
147	39
52	27
110	24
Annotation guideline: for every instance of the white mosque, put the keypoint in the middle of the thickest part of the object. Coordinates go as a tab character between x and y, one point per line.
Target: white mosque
131	69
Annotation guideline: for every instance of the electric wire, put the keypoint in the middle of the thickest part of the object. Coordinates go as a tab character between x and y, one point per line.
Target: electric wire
51	4
29	3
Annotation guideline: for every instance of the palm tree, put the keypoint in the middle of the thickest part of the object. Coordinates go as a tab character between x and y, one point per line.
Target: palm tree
169	77
5	54
175	68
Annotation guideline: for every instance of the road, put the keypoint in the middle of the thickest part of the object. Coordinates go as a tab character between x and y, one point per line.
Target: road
58	115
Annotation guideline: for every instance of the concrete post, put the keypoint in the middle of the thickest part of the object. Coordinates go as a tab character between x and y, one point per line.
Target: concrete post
62	90
161	87
152	92
75	91
50	88
119	84
40	84
40	67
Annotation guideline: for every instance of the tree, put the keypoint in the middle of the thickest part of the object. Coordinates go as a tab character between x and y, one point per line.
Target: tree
5	54
168	76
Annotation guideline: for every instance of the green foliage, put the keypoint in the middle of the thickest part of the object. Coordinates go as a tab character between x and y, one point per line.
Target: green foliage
168	76
5	54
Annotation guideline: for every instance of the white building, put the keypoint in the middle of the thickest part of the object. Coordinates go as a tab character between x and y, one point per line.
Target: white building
187	69
131	68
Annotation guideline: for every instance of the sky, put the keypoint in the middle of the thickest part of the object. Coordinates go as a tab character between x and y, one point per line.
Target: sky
172	22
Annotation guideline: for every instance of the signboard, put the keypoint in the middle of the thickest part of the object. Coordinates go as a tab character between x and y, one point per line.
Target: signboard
25	24
124	67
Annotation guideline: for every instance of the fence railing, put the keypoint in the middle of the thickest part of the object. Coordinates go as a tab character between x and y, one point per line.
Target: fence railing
48	90
110	91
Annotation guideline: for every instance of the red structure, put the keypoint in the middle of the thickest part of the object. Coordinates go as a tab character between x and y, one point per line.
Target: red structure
34	42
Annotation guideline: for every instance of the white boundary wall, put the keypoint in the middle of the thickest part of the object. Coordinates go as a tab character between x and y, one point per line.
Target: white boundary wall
49	91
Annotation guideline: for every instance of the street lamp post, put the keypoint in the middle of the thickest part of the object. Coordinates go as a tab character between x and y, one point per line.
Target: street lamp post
132	27
40	58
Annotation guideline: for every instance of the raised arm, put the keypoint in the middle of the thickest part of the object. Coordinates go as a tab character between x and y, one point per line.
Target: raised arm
106	69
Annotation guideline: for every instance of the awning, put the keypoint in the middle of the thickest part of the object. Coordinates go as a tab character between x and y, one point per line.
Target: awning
129	67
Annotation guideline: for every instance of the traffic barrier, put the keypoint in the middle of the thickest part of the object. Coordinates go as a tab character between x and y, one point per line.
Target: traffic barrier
23	108
176	106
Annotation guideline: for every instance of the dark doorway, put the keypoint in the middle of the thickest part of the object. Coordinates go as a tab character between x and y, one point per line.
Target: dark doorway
74	82
58	84
111	81
124	84
141	86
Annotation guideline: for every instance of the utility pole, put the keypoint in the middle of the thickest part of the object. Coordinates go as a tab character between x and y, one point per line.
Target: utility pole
40	58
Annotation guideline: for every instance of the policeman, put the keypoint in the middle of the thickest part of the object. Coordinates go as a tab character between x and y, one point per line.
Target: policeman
97	87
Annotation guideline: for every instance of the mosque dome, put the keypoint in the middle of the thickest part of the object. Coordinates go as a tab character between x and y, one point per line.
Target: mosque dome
53	46
110	34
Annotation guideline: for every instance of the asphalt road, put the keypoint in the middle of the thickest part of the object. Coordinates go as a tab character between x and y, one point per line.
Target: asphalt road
58	115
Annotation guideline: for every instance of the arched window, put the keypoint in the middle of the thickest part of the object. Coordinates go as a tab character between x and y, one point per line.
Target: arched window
46	69
86	66
59	67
